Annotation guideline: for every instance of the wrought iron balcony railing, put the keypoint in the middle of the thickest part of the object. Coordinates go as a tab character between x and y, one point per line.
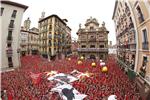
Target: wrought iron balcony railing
9	51
11	26
92	49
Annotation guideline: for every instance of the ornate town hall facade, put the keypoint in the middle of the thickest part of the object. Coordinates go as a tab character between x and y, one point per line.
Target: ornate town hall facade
93	40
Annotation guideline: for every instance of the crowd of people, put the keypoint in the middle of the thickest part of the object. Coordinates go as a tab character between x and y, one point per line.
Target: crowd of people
18	84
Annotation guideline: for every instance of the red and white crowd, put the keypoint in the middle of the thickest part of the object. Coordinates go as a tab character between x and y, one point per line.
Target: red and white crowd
19	85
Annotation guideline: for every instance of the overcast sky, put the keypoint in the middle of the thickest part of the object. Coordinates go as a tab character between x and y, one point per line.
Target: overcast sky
76	11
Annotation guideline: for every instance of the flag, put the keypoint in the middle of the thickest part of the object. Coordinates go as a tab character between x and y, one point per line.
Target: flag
61	77
67	92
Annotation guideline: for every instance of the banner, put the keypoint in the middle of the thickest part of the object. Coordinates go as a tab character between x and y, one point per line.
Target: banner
67	92
61	77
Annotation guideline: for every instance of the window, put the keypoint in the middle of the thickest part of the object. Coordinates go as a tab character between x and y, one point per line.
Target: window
145	41
2	9
143	67
144	61
9	59
83	46
11	25
101	46
144	35
91	37
91	28
92	46
10	33
10	62
50	27
14	14
8	44
140	14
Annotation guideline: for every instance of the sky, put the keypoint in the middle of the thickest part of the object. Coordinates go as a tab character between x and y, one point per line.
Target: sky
75	11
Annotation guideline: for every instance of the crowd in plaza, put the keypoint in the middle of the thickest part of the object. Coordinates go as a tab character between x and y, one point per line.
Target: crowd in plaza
19	85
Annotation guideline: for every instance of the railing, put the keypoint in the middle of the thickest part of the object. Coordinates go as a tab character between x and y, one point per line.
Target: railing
9	51
82	40
128	68
92	49
92	39
23	43
145	45
44	37
11	26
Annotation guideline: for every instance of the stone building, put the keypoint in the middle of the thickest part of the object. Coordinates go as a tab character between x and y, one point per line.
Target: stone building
93	40
132	24
10	18
29	43
54	36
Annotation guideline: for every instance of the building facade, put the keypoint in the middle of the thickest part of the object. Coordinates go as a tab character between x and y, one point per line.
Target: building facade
93	40
74	47
29	41
23	41
132	23
10	18
54	36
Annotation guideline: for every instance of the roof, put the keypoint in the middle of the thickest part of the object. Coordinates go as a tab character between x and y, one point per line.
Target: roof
53	15
116	3
32	32
14	4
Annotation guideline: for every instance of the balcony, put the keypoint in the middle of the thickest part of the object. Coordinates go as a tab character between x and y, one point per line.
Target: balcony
11	26
92	39
9	52
92	49
44	31
9	39
102	39
145	45
82	40
44	37
23	44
